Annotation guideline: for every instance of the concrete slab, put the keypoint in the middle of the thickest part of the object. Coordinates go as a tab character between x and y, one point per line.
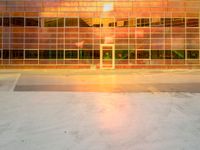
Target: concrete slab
8	81
99	121
99	110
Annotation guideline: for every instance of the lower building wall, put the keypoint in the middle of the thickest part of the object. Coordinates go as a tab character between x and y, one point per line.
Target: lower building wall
93	67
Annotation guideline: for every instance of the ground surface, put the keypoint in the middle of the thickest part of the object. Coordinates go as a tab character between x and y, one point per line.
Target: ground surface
99	110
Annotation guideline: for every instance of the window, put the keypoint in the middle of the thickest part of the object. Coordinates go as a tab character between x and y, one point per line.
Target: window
178	22
16	54
96	22
168	22
157	22
107	22
47	54
132	22
71	54
71	22
121	22
31	54
132	54
143	22
96	54
157	54
50	22
192	54
85	54
17	22
168	54
192	22
85	22
61	22
178	54
60	54
121	54
0	21
6	22
32	21
6	54
143	54
0	54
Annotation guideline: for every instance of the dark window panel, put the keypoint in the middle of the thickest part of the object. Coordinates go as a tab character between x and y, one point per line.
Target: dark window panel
85	54
47	54
96	54
97	25
157	54
6	22
143	54
0	54
6	54
121	54
132	54
157	22
85	22
31	54
1	21
168	22
71	22
60	54
61	22
32	22
17	22
71	54
112	24
193	54
107	54
50	22
178	54
16	54
143	22
192	22
168	54
178	22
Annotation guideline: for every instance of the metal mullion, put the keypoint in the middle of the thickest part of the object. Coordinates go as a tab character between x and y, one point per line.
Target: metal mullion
199	36
186	56
150	39
24	39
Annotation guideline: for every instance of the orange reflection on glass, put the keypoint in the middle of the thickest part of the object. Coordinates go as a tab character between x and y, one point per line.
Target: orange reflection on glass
80	44
109	40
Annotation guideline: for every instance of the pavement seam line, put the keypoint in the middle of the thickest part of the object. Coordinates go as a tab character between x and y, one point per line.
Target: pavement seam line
153	89
15	83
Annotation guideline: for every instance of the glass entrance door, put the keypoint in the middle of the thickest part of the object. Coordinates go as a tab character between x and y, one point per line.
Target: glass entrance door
107	56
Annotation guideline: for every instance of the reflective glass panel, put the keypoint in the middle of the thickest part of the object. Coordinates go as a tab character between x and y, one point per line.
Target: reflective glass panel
31	54
193	54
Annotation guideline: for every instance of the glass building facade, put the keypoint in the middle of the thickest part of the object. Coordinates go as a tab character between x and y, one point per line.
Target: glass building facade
100	33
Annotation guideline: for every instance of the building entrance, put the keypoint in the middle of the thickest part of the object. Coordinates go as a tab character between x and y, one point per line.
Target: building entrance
107	56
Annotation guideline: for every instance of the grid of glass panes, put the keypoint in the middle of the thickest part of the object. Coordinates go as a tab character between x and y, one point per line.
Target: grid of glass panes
65	32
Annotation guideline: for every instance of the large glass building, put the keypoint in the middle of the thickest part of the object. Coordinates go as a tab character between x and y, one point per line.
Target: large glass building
100	33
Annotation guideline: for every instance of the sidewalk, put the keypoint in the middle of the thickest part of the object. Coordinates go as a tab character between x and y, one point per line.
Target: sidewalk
99	110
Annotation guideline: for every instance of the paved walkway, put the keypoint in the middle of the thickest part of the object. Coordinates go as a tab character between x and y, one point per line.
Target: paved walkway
101	81
99	110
